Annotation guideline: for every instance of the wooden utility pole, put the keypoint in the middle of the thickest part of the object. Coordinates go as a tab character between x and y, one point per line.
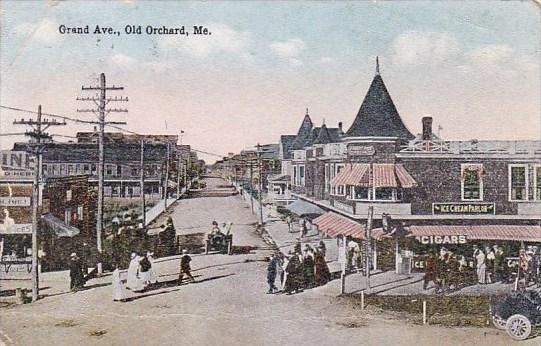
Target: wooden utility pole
142	182
166	187
178	175
101	113
369	242
251	187
260	194
37	134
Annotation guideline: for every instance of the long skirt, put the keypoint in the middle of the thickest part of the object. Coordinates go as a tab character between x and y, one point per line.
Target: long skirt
481	274
119	293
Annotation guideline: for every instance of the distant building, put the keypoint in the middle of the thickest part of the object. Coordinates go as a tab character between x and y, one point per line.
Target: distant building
122	168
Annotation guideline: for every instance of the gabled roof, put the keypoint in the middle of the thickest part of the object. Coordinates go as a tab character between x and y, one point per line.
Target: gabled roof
286	143
378	116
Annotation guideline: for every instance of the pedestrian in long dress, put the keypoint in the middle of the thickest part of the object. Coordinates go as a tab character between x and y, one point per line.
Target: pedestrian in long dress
133	283
144	271
294	277
308	269
280	268
153	277
481	265
285	263
322	273
185	267
288	221
119	293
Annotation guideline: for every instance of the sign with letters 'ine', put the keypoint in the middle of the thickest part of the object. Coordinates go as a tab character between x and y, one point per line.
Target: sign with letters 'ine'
463	208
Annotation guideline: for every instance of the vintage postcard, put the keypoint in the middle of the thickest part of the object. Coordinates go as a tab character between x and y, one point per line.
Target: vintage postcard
270	173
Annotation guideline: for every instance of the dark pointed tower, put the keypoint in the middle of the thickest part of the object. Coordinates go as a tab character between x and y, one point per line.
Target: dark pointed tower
324	136
378	116
304	133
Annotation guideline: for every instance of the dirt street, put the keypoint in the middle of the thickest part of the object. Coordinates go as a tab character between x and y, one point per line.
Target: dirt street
228	304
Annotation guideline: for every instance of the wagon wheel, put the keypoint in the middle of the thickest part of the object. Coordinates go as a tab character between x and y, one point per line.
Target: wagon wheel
498	322
518	327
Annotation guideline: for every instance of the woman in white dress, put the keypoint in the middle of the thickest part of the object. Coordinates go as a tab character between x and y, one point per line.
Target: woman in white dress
119	293
133	282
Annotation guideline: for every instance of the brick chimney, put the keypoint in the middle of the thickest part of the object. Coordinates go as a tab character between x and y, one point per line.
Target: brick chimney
340	127
427	128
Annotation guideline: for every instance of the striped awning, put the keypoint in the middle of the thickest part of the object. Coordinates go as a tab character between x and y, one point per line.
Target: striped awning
354	174
379	175
383	175
406	180
334	225
480	232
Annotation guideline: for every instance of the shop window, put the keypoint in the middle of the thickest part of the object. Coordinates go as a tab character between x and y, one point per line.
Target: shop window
384	193
80	213
339	167
109	169
472	183
537	181
360	192
67	216
518	183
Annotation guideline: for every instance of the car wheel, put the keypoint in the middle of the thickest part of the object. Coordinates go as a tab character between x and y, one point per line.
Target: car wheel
498	322
518	327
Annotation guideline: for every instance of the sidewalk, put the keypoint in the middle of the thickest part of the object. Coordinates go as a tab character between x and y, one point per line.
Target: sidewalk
284	240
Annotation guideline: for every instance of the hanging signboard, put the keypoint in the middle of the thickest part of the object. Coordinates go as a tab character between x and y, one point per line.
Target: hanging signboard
463	208
361	150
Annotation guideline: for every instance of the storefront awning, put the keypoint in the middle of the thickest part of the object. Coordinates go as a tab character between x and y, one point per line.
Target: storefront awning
334	225
480	232
58	226
377	175
301	207
354	174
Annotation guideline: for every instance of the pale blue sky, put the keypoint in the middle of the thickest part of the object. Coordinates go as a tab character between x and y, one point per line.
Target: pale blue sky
474	62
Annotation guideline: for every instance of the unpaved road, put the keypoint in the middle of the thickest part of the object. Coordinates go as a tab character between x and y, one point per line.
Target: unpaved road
227	306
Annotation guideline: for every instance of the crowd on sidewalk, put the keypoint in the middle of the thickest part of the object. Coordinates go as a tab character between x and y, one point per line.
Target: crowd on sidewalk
298	270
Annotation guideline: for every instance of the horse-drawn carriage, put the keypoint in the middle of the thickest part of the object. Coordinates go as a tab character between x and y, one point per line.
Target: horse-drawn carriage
517	313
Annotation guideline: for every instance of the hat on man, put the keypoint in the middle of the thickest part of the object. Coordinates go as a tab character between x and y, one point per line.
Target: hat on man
73	254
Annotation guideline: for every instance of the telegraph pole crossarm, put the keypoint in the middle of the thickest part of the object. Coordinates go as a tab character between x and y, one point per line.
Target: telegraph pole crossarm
37	134
101	112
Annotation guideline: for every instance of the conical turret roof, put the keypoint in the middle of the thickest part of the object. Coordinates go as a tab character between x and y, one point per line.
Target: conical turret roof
323	136
378	116
304	133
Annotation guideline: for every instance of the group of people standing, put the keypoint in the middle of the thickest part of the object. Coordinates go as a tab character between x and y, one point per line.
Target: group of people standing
486	265
297	270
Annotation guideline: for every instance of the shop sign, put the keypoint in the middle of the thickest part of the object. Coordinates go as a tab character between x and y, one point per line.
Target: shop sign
14	201
343	207
21	228
441	239
463	208
361	150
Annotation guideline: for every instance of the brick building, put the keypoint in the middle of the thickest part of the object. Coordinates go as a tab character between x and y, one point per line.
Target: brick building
483	190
